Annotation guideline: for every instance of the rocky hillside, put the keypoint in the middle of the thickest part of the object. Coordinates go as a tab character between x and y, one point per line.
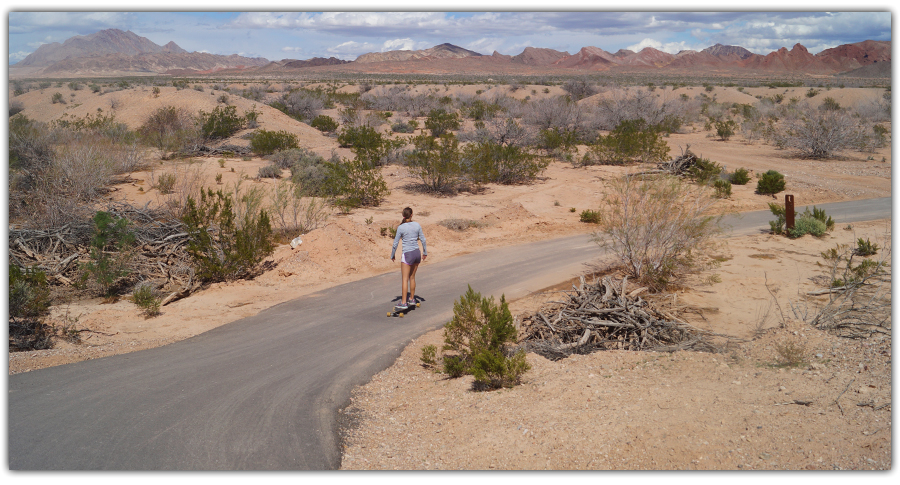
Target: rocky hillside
110	41
443	51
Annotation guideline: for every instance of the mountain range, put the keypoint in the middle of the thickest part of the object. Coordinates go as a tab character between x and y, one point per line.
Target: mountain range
114	52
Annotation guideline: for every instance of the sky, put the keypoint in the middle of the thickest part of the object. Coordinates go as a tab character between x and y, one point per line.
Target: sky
347	30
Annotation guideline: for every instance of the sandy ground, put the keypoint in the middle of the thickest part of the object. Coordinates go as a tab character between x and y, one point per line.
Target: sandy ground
625	410
613	410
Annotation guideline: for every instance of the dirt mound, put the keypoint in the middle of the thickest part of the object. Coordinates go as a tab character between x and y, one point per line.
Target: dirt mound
511	212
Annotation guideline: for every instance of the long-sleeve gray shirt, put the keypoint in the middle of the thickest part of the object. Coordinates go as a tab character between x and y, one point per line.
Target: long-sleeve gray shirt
410	233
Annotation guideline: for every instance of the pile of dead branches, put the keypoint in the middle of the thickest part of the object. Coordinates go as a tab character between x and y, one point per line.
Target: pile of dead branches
159	256
199	150
605	316
679	166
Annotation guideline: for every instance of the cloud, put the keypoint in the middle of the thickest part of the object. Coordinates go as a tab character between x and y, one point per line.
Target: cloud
486	45
668	47
17	56
80	22
291	49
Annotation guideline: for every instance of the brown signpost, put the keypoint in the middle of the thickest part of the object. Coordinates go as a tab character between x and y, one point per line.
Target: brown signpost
789	211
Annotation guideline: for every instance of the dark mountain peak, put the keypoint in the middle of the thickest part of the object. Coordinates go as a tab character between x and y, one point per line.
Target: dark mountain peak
720	50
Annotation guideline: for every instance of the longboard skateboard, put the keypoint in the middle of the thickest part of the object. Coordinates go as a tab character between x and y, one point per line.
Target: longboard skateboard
398	312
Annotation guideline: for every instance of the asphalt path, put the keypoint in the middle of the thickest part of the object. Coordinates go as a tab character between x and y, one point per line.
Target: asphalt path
263	393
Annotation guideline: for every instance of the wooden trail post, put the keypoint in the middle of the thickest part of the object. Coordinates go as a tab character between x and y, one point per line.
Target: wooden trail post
788	211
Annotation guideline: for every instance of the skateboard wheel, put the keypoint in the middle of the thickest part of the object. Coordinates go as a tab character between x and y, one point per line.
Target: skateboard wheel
401	315
389	313
418	304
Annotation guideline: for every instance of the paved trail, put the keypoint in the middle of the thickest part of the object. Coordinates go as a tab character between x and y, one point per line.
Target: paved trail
263	392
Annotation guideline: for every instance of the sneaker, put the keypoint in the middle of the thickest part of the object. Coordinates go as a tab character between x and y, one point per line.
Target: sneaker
401	306
413	301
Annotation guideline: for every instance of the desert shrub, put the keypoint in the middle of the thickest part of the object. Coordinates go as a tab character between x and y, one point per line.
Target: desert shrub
29	301
165	184
302	104
437	162
590	216
791	353
631	141
110	250
478	336
459	224
704	171
30	146
812	93
440	122
722	188
656	227
57	98
354	183
269	172
75	85
308	170
367	143
147	299
222	99
221	122
725	129
292	212
29	292
770	182
480	110
429	356
740	177
620	105
265	142
807	225
168	129
829	104
404	127
503	164
180	84
821	133
324	123
236	246
15	107
579	88
866	247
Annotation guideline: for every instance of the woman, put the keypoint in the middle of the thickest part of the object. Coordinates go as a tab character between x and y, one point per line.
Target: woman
410	232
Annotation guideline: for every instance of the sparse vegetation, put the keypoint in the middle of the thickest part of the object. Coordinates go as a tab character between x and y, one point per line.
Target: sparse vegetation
476	340
265	142
590	216
770	182
324	123
656	227
110	253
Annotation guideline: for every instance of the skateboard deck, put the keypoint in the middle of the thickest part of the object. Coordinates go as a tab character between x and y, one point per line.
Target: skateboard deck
398	312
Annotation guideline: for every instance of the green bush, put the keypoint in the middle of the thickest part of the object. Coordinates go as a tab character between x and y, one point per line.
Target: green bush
490	162
236	247
404	127
590	216
165	184
29	292
367	143
725	129
265	142
807	225
439	122
722	188
269	172
740	177
477	336
480	110
866	247
147	300
436	162
221	122
704	171
631	141
770	182
429	356
57	98
308	170
324	123
29	302
354	183
110	247
168	129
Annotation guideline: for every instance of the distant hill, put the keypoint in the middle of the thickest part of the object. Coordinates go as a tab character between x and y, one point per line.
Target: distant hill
114	52
443	51
110	41
877	70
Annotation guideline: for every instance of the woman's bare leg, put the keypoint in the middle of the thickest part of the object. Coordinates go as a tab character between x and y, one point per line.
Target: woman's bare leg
412	282
404	274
